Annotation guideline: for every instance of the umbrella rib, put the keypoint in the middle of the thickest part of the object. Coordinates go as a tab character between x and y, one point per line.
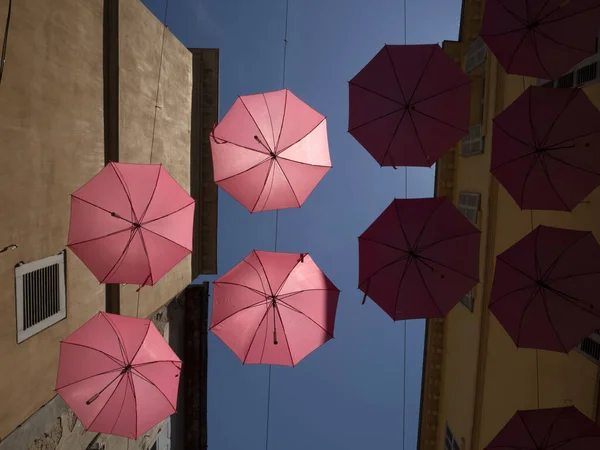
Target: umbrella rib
532	164
545	302
265	184
547	173
257	127
303	163
568	277
387	50
303	137
112	358
504	33
165	238
439	120
562	44
100	237
572	300
296	310
442	92
245	308
417	132
536	260
553	146
256	332
99	207
508	294
149	381
121	257
120	410
291	294
537	54
375	120
517	48
287	342
259	277
262	294
426	223
270	118
512	137
377	93
126	190
264	344
148	256
533	441
591	172
288	182
536	290
141	342
173	361
408	244
458	236
152	196
393	136
381	243
225	141
540	17
286	278
427	288
267	158
572	96
449	268
107	401
396	299
515	15
533	133
265	272
282	119
170	214
385	266
433	49
88	378
120	339
568	17
499	258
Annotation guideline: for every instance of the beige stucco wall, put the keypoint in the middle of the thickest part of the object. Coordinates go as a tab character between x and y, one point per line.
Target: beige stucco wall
51	142
141	38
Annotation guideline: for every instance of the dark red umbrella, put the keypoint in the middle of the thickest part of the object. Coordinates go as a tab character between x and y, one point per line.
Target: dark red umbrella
409	105
418	258
548	429
546	148
545	291
541	38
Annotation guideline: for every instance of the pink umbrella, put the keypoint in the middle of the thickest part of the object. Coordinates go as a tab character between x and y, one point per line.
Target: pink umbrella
546	148
118	375
270	151
131	223
409	105
548	429
541	39
274	298
545	290
419	258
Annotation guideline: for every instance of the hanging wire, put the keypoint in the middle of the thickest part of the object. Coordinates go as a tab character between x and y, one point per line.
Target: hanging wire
285	42
537	366
404	345
4	43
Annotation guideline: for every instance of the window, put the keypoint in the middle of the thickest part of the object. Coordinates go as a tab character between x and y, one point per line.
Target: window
590	346
482	100
476	54
468	204
450	442
469	300
472	143
40	295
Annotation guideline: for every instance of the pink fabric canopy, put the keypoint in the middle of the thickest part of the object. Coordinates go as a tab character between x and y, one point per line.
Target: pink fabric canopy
274	308
418	258
541	38
545	291
118	375
546	148
131	223
270	151
409	105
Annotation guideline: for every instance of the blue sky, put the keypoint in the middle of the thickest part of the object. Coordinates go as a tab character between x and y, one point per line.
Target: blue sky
348	394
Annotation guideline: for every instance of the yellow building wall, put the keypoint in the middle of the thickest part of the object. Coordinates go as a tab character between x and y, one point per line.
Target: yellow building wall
509	375
52	142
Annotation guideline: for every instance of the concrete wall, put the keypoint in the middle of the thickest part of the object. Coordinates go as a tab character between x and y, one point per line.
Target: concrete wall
141	42
51	142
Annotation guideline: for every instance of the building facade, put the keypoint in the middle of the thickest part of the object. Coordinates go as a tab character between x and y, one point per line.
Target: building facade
474	377
86	83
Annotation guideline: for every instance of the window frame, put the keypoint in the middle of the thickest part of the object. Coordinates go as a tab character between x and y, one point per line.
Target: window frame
469	139
464	207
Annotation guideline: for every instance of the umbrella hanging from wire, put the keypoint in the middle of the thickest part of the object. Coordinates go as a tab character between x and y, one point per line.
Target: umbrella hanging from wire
548	429
118	375
419	258
541	39
409	105
274	308
545	289
270	151
131	223
546	148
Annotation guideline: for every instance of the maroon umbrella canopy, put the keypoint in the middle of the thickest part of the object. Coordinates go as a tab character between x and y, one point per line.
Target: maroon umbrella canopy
409	105
545	291
541	38
546	148
418	258
548	429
